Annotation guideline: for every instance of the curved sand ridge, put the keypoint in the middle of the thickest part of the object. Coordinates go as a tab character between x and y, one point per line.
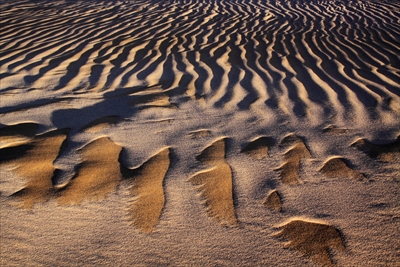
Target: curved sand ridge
295	57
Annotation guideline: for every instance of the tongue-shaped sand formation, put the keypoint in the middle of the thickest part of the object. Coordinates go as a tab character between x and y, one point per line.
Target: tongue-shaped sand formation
338	168
148	191
215	184
97	175
289	171
312	238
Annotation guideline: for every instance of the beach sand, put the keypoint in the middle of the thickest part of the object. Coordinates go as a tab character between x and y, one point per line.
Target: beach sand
200	133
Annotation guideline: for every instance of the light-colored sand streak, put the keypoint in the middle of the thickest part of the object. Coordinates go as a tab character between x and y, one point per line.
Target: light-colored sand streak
309	60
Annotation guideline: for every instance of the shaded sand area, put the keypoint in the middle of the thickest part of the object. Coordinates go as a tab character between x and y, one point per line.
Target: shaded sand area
200	133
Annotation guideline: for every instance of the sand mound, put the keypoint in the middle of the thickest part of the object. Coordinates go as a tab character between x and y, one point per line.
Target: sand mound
273	201
338	168
213	154
313	239
215	184
258	148
290	140
34	161
97	175
101	123
387	152
17	132
148	191
289	171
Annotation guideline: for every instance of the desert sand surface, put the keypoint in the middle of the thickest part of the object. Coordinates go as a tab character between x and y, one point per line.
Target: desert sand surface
200	133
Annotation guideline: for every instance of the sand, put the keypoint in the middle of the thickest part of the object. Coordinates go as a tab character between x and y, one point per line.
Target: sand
199	133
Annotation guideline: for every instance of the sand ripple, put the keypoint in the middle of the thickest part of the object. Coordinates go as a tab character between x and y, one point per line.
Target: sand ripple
305	60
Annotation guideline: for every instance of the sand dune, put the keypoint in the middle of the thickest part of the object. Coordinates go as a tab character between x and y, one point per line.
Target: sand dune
308	93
